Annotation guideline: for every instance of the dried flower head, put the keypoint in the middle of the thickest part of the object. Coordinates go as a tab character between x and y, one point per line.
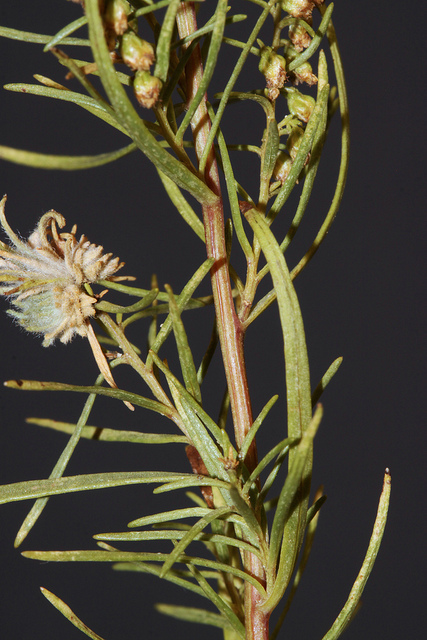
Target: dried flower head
45	278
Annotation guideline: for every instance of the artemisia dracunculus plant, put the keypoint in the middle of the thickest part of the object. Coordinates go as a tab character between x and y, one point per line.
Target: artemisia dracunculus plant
161	57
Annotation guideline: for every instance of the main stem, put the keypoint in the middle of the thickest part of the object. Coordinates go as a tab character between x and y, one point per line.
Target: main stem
230	329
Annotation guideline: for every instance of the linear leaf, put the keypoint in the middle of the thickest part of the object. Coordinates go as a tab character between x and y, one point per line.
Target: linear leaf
191	614
190	535
326	378
109	435
69	614
209	67
349	609
305	554
175	577
185	355
255	426
221	605
86	102
184	209
298	394
182	300
134	556
284	527
177	534
27	36
168	516
205	417
59	468
70	484
119	394
63	163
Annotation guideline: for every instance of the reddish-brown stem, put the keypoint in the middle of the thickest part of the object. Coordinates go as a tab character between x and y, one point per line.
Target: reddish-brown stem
230	330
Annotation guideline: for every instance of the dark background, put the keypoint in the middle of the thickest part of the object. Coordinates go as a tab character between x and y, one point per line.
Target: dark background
361	298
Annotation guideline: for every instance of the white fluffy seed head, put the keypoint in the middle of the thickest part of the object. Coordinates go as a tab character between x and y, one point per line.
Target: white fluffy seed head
44	277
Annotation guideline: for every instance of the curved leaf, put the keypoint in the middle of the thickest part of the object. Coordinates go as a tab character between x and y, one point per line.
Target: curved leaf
63	163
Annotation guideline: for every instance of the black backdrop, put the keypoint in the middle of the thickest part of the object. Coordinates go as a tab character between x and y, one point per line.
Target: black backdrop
361	298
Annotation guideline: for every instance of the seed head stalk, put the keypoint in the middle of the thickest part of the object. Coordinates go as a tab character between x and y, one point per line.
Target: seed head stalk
230	329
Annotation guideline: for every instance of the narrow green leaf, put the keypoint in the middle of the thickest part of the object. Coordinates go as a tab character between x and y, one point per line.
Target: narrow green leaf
168	516
178	534
255	426
295	350
195	406
182	300
119	394
222	606
137	306
284	527
59	468
305	554
280	448
190	614
164	41
209	67
232	192
349	609
184	351
26	36
86	102
200	438
109	435
326	378
63	163
70	484
184	209
65	31
192	481
134	556
130	120
207	358
175	577
69	614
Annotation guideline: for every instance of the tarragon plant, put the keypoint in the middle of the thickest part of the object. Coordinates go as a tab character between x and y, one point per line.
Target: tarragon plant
149	70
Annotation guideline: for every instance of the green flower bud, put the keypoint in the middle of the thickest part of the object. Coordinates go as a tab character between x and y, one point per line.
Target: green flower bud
304	73
146	88
273	67
282	167
136	53
116	16
300	105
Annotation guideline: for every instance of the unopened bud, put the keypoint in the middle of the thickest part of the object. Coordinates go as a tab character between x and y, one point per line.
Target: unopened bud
146	88
116	16
282	167
300	105
304	73
273	67
135	52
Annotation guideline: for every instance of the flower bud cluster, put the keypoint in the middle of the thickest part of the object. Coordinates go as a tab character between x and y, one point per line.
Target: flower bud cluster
135	52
